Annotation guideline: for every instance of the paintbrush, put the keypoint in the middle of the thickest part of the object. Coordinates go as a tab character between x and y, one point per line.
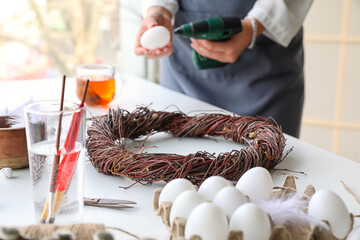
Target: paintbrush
55	167
68	163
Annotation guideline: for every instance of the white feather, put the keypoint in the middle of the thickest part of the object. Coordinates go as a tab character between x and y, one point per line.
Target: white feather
289	209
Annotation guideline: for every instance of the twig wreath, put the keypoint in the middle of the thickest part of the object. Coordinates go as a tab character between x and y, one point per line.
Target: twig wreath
108	135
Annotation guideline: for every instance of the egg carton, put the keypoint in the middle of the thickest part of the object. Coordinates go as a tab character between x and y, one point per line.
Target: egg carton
177	227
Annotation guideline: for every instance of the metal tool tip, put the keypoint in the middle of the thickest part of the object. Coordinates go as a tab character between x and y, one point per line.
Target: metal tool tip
179	30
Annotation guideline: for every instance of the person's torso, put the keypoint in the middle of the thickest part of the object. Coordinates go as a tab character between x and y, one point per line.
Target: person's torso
217	7
271	57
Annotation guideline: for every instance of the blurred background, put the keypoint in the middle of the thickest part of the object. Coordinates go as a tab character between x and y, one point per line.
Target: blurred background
48	38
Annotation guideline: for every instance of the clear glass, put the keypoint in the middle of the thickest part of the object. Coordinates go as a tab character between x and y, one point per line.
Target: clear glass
101	89
59	200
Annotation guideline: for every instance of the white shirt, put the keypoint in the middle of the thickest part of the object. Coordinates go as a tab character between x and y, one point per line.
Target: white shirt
282	19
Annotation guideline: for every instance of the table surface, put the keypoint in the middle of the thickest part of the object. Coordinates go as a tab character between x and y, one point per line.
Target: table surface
322	169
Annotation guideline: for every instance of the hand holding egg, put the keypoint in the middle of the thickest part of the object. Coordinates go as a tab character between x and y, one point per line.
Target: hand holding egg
154	42
155	37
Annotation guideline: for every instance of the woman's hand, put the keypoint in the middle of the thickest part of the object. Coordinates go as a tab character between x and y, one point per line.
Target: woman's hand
155	16
229	50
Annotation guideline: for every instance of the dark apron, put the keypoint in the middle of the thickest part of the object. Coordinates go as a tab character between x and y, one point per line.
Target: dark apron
266	81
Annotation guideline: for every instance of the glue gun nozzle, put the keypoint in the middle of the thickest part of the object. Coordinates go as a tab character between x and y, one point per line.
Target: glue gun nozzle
179	30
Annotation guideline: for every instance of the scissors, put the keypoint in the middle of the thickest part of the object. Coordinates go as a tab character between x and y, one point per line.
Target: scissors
106	202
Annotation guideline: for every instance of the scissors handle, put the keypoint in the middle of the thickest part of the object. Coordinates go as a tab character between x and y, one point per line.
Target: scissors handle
105	202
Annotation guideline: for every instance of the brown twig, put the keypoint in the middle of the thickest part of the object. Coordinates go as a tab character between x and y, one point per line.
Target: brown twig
107	137
351	192
124	231
85	92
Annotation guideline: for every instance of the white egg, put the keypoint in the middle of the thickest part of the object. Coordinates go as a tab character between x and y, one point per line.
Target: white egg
174	188
252	221
354	234
184	204
155	37
6	173
229	199
208	222
256	183
327	205
211	186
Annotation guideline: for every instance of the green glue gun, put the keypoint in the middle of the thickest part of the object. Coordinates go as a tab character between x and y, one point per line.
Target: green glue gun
214	29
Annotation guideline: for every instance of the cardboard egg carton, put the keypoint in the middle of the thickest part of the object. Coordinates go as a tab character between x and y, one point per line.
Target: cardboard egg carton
177	228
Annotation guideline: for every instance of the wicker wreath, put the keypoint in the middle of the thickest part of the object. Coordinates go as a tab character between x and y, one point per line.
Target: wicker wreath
107	137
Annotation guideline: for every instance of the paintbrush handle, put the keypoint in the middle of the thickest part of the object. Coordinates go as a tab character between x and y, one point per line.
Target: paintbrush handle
73	133
45	211
55	167
68	163
66	170
58	199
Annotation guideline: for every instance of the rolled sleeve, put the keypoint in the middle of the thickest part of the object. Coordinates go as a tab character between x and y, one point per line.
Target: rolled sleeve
171	5
282	19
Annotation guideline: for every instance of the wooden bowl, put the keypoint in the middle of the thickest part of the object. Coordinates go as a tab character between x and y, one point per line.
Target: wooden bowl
13	149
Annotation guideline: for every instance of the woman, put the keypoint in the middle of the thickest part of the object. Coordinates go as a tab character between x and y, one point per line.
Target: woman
264	76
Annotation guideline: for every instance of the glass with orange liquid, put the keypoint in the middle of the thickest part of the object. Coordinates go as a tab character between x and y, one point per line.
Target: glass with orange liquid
101	90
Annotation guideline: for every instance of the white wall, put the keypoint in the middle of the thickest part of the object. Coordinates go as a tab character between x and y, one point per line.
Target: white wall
332	69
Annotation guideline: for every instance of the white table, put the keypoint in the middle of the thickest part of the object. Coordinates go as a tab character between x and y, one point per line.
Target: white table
323	169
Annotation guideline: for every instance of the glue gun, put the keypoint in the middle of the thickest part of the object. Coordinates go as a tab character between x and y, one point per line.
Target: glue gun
214	29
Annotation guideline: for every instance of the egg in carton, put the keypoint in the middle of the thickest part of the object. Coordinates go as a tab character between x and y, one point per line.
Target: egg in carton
176	227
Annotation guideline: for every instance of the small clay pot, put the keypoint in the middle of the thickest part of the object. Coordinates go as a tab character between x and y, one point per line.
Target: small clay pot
13	149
